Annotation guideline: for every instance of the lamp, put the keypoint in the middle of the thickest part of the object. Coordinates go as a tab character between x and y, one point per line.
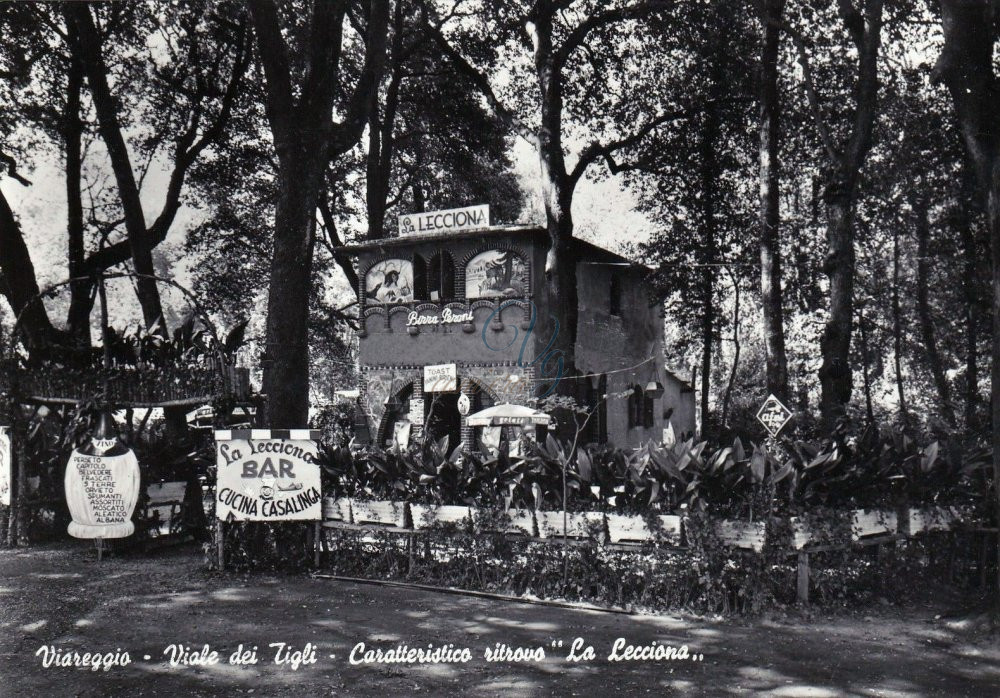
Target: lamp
654	389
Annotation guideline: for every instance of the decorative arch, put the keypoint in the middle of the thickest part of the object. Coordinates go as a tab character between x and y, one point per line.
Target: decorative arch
441	277
404	393
496	271
372	312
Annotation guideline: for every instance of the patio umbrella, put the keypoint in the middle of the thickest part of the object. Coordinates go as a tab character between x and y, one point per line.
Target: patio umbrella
507	415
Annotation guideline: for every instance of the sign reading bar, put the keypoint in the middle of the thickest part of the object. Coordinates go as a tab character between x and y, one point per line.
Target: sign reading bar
773	415
268	475
441	378
452	219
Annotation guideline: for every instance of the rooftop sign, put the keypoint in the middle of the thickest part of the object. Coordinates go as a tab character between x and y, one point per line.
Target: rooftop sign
448	220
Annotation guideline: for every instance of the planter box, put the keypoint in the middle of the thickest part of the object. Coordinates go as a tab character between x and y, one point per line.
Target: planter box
520	521
742	534
801	534
670	528
628	529
868	522
379	512
337	509
932	519
587	524
426	515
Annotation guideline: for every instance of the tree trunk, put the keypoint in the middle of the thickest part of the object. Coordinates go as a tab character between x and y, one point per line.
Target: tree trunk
19	285
835	344
81	300
966	67
927	335
736	351
866	367
897	331
140	242
770	239
286	368
970	294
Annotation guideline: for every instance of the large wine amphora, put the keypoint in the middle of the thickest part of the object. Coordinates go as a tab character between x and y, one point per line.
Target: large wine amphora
102	485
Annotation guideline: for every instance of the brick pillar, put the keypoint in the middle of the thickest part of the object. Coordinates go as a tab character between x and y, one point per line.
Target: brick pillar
467	435
417	409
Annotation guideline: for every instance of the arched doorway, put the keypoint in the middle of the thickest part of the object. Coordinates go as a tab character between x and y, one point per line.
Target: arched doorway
397	413
442	418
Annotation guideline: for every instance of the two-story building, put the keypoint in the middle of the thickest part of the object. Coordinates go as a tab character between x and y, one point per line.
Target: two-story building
449	314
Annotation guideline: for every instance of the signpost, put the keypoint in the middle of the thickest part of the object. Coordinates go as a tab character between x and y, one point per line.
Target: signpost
440	378
447	220
773	415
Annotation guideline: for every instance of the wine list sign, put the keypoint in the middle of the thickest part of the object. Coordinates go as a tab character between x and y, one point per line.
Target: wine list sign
267	475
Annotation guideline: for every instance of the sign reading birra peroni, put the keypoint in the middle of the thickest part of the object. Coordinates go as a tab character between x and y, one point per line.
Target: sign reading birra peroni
452	219
447	317
267	475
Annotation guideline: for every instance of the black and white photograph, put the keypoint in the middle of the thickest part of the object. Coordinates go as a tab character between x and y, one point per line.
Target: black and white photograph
500	348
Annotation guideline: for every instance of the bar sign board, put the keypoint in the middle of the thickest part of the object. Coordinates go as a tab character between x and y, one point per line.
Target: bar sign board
445	221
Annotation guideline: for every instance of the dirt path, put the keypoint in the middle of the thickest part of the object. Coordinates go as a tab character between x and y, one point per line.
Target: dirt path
60	596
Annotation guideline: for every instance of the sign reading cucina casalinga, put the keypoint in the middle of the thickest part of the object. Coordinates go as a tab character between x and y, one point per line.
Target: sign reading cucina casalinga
267	475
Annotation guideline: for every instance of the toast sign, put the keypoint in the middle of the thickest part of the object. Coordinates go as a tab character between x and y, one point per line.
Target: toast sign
267	475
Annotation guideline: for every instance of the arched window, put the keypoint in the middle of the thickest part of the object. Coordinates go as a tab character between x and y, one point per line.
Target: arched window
648	400
390	281
496	274
441	277
615	295
419	278
635	407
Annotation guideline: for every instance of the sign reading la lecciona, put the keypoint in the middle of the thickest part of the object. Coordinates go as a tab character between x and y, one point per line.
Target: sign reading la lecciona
448	220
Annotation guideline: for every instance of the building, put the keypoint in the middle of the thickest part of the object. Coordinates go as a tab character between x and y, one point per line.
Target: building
446	331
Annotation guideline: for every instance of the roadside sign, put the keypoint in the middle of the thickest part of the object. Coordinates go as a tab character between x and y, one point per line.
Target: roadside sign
773	415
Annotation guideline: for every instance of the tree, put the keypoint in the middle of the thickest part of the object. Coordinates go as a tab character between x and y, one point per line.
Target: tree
182	100
863	25
770	12
965	66
300	100
568	57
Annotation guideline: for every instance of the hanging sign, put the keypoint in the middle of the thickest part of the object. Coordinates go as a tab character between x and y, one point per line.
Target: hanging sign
464	404
773	415
5	466
440	378
267	475
102	487
447	220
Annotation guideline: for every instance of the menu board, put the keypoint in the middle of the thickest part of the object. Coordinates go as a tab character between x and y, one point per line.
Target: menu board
101	492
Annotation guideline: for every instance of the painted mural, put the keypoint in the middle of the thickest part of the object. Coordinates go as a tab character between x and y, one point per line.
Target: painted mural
495	273
389	282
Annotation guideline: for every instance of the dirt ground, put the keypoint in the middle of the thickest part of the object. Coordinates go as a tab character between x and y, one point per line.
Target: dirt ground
60	596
